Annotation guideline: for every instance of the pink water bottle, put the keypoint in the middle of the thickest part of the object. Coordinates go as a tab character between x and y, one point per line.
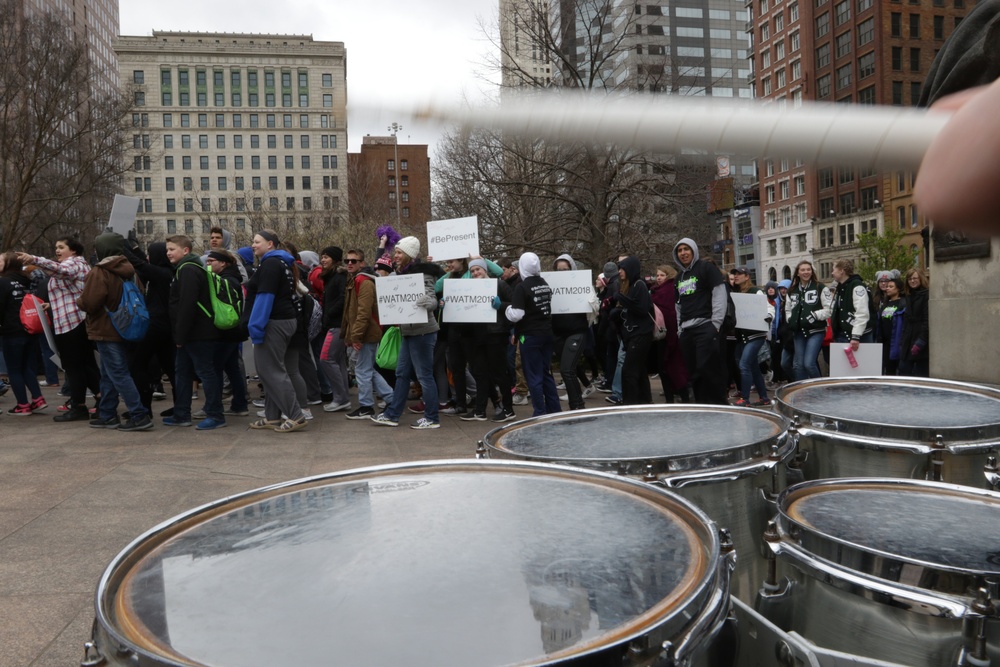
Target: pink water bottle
851	359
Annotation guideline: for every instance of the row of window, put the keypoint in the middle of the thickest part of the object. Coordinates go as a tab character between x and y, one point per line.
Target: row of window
235	78
801	245
140	141
848	203
145	184
326	121
239	205
142	163
846	232
784	189
403	165
236	99
771	218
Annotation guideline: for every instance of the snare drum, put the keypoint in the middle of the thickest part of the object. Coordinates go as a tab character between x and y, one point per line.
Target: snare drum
726	460
900	427
898	570
438	563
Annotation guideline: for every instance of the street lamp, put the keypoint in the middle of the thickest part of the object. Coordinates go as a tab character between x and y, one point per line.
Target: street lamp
394	130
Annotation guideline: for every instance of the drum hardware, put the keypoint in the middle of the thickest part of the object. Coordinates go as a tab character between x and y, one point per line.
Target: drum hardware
91	656
973	652
800	457
481	452
650	475
936	463
992	472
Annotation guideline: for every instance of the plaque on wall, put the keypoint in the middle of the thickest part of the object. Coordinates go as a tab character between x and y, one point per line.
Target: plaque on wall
951	245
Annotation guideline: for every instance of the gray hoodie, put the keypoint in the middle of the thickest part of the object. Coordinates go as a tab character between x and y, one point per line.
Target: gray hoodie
696	270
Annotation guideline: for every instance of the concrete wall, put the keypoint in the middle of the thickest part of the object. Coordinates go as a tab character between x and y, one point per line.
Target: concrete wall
965	318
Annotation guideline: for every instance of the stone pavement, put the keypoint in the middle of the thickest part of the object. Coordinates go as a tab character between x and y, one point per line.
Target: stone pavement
72	497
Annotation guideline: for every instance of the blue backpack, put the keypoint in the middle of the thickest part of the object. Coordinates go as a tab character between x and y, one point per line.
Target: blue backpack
131	319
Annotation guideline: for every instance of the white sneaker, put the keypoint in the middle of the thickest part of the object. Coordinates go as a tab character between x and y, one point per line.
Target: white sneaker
424	423
258	402
307	413
336	407
521	399
564	397
588	391
260	413
561	385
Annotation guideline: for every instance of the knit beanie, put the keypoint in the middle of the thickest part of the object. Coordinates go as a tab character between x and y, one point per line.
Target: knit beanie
384	263
333	252
409	245
481	263
610	269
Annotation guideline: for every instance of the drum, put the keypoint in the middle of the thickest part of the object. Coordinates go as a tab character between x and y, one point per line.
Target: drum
895	427
466	563
903	571
726	460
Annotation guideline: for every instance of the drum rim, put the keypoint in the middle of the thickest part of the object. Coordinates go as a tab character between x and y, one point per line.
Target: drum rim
663	466
654	622
983	436
837	550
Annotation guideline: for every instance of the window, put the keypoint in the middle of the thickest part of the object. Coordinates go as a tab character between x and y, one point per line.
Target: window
779	50
914	60
866	95
304	141
914	219
238	162
796	70
169	184
222	183
327	100
272	162
290	203
765	59
239	183
914	26
188	184
823	56
847	233
779	25
793	12
826	237
846	175
140	98
897	58
786	244
188	205
864	5
868	198
843	11
289	182
801	243
938	27
779	78
255	182
289	162
866	65
205	183
784	189
765	32
914	93
203	120
800	185
843	44
221	162
327	80
306	162
772	248
896	24
794	41
897	92
272	182
847	203
203	162
825	178
866	31
255	162
202	141
403	164
769	194
391	165
288	141
844	76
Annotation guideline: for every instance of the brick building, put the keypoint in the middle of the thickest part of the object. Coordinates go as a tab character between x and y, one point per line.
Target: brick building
390	183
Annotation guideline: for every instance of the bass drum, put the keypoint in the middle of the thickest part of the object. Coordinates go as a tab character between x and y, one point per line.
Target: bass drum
439	563
902	571
726	460
899	427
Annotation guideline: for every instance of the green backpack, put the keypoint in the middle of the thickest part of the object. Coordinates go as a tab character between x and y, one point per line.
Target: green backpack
388	348
227	302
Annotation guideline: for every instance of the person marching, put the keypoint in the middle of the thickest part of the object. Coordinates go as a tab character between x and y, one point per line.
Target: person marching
701	308
530	311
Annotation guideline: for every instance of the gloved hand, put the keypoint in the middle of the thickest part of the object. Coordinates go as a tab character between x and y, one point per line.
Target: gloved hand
496	303
915	350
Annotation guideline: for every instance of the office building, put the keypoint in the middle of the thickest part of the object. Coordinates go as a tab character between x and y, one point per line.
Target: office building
390	184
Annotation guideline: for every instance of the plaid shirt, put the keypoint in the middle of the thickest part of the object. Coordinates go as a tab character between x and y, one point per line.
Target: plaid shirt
65	286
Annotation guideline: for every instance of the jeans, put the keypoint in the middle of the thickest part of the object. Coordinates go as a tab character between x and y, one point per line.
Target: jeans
205	359
416	358
570	349
787	363
807	349
232	354
748	356
21	353
536	361
116	381
616	381
368	379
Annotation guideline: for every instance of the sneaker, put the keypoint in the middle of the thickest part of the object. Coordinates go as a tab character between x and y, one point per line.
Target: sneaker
143	423
315	401
173	421
589	391
97	422
46	383
4	388
521	399
306	414
361	413
741	402
65	407
65	393
613	400
504	416
261	413
473	417
265	423
290	425
194	396
236	413
564	398
336	407
200	414
158	393
78	414
424	423
417	408
762	403
604	388
210	424
453	410
258	402
382	420
38	404
20	410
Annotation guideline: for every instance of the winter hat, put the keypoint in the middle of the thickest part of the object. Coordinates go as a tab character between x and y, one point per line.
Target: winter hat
384	263
246	254
883	275
481	263
333	252
309	258
786	283
610	269
221	255
409	245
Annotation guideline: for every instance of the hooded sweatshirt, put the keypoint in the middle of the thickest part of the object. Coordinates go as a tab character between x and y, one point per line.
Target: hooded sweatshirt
701	291
188	291
530	309
636	304
571	323
102	289
270	294
227	245
157	273
14	287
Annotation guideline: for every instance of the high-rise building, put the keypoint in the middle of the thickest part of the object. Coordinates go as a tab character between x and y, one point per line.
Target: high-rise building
842	51
242	131
390	183
524	61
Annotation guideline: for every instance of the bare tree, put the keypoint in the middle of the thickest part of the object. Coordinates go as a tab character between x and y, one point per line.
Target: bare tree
593	201
62	138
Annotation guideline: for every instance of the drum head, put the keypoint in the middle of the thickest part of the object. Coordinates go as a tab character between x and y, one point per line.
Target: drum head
914	527
902	408
425	564
679	437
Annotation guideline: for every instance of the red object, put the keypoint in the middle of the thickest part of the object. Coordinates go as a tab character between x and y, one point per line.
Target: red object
32	312
851	359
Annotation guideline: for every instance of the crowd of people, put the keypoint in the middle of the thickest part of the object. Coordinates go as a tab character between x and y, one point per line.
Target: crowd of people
312	320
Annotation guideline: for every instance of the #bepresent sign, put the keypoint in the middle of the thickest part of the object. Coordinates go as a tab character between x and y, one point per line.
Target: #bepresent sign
453	239
397	299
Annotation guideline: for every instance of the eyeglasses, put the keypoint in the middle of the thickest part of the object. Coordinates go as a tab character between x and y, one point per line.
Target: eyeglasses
352	261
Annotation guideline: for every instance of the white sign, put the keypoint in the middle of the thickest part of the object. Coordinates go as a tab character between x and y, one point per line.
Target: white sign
571	291
453	239
123	213
469	300
751	311
49	334
397	299
868	356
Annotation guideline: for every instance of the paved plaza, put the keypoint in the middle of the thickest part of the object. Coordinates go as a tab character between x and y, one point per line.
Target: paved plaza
72	497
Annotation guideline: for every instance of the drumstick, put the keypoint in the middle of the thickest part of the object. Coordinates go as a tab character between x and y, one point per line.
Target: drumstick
881	137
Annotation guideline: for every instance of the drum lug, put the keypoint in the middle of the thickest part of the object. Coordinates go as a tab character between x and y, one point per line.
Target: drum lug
795	462
775	458
727	548
936	459
650	475
992	472
481	451
91	656
973	653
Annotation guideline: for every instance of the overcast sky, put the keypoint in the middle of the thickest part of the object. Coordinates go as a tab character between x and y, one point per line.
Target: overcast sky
398	52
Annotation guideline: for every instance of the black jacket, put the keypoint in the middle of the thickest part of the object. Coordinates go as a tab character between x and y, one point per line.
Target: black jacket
636	305
190	304
335	286
156	273
916	330
13	288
